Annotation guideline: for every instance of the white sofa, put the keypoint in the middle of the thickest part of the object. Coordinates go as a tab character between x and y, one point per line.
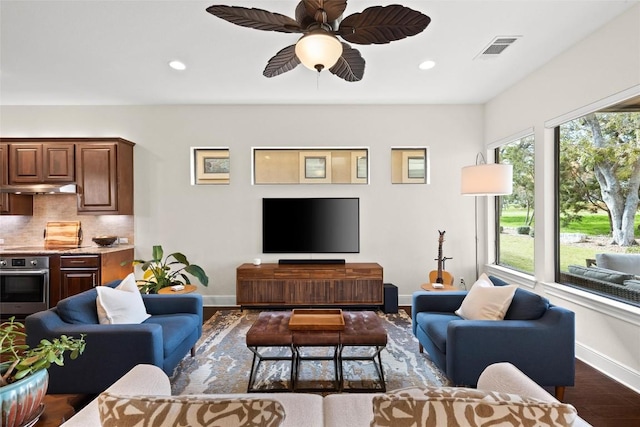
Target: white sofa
310	410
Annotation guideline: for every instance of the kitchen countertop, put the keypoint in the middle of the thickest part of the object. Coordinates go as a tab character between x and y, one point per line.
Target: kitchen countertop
84	250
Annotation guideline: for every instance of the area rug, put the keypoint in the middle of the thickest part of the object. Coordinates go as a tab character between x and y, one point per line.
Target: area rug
223	362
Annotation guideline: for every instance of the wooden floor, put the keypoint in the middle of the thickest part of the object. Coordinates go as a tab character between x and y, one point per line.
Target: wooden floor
599	400
602	401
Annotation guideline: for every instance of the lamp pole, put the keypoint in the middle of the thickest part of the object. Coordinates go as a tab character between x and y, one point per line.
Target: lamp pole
482	179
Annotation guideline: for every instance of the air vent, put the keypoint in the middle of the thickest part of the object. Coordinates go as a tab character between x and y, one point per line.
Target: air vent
497	46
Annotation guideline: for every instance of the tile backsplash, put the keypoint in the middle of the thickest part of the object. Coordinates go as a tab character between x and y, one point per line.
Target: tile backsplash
18	230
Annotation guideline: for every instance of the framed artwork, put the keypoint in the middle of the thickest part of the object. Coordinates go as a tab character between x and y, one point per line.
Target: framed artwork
216	165
315	167
210	165
415	167
361	167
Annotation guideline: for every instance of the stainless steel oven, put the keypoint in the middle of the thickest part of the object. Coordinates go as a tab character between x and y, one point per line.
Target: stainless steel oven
24	284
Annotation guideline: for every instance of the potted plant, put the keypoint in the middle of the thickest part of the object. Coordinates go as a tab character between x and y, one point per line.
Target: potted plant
161	272
23	371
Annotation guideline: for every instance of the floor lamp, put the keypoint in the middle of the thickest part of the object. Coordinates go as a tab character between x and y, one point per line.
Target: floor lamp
484	179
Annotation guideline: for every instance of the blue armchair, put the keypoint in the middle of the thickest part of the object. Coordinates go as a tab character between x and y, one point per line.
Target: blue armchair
111	351
535	336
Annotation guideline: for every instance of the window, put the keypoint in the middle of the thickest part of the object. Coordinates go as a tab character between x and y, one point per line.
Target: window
515	212
598	178
310	165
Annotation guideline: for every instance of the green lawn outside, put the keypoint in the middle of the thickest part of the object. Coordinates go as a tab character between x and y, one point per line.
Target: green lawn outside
590	224
516	251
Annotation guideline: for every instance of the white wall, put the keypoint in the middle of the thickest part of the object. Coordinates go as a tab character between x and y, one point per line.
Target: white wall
219	227
603	65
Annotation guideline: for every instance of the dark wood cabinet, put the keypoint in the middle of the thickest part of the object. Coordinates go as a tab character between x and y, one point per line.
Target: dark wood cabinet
78	273
72	274
12	204
58	162
33	163
26	163
352	284
101	167
104	174
365	291
254	292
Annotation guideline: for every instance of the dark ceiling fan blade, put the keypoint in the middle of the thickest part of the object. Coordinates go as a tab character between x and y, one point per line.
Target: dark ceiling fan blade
350	66
333	8
382	24
302	17
283	61
257	19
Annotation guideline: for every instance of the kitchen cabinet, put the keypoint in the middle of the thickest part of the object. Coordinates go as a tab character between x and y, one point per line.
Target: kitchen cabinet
12	204
47	162
101	167
78	273
104	174
72	274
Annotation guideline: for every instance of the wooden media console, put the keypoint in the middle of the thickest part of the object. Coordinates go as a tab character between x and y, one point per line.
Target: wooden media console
290	285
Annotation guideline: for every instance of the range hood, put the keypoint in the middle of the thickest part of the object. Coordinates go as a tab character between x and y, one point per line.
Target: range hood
62	188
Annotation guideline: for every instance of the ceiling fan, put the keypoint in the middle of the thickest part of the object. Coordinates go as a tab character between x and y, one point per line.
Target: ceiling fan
321	22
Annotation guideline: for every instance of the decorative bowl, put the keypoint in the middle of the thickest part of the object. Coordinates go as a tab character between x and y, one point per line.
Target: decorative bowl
21	401
105	240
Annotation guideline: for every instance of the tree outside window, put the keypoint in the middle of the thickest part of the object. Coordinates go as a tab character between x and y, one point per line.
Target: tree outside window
598	183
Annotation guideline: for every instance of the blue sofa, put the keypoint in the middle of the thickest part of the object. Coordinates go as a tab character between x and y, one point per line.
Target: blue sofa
111	351
535	336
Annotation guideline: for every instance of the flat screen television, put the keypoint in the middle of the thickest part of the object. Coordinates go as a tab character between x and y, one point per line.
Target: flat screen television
311	225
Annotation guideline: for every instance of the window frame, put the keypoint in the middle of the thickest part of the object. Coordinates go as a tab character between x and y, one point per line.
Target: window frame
562	278
526	276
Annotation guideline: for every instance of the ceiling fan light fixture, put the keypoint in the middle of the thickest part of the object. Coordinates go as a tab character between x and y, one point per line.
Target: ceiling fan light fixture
318	50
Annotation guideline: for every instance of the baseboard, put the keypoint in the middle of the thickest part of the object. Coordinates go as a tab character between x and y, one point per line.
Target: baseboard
219	300
405	299
623	374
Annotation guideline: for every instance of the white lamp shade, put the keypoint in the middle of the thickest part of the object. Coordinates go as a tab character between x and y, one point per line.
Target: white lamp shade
493	179
318	50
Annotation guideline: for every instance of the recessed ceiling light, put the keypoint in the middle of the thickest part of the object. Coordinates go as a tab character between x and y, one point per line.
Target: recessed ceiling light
177	65
427	65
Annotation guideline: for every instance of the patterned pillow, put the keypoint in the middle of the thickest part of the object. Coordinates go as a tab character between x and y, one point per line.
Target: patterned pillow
166	411
435	406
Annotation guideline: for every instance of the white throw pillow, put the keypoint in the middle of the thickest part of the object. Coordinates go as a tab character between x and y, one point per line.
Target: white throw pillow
483	281
486	302
122	305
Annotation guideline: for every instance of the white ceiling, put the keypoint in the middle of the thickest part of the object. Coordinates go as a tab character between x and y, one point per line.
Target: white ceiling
116	52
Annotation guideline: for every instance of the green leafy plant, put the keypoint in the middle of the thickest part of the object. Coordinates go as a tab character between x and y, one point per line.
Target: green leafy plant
160	271
18	360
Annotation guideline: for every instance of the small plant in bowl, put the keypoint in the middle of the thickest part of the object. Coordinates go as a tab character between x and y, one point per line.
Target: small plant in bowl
23	371
19	361
161	271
